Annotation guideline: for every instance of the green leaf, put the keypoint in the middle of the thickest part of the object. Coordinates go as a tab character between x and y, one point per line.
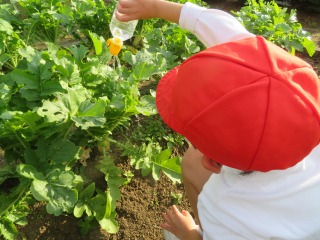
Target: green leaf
40	190
29	80
87	192
5	27
57	153
296	44
143	71
79	209
109	204
59	195
30	172
73	99
147	105
51	87
90	114
66	105
8	229
6	172
98	205
79	53
96	42
5	94
109	224
66	178
114	195
54	111
28	52
4	58
309	46
170	166
61	200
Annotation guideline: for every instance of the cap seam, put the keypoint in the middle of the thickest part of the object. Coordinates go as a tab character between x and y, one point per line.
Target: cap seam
218	99
305	100
266	52
264	127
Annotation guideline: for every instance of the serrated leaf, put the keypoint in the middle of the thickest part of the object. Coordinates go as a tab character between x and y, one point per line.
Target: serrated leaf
73	99
90	114
143	71
170	166
78	52
29	80
147	105
51	87
57	153
53	111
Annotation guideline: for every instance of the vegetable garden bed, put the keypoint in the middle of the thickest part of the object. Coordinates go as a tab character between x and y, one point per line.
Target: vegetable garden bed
86	155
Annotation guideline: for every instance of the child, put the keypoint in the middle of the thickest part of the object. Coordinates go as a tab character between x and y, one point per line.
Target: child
251	112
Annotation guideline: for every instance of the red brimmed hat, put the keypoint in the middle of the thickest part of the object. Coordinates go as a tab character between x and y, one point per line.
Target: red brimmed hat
248	105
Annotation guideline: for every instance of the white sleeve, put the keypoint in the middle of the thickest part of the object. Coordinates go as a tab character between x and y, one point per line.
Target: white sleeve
211	26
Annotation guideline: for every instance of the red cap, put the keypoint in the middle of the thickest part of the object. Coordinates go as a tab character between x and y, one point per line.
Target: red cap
248	104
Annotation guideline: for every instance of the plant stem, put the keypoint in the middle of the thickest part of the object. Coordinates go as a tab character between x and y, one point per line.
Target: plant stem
22	143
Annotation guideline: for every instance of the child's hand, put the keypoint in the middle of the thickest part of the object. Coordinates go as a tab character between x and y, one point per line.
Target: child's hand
144	9
136	9
181	224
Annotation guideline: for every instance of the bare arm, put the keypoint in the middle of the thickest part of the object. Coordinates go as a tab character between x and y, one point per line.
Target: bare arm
144	9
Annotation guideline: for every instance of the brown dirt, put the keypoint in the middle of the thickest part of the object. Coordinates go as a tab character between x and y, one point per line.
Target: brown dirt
143	199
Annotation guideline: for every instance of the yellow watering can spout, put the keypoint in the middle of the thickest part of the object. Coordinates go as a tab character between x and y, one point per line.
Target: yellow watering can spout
114	45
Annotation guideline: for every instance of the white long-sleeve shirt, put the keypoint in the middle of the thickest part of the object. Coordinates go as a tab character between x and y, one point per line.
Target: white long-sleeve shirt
280	204
211	26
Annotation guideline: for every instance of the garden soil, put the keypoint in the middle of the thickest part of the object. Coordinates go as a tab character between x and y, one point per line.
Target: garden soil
143	199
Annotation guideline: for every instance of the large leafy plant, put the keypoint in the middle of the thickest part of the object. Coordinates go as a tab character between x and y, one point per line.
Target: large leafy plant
276	24
61	101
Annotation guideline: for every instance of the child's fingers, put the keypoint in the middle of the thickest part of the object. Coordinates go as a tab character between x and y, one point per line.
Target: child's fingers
175	210
186	213
165	226
124	3
166	218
